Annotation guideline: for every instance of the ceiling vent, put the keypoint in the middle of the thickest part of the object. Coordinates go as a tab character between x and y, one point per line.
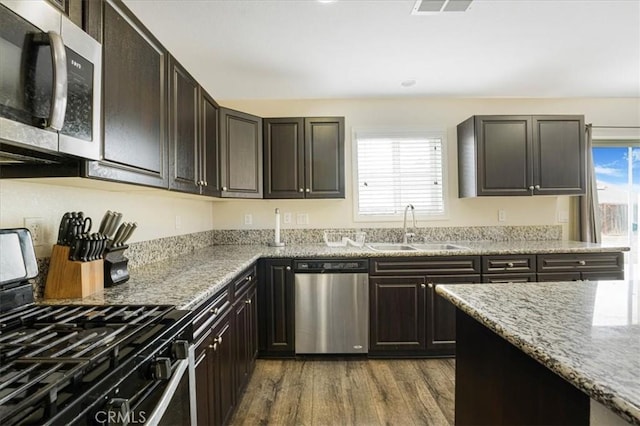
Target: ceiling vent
430	7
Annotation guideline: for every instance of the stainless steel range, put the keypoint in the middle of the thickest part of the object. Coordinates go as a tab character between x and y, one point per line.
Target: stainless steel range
74	364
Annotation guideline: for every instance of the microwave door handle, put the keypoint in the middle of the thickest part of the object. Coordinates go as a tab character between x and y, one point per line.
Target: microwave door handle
59	98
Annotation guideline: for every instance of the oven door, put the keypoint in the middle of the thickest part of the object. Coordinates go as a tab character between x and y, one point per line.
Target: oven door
174	402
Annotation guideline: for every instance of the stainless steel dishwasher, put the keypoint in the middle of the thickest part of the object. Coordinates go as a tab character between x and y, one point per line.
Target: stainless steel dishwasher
331	306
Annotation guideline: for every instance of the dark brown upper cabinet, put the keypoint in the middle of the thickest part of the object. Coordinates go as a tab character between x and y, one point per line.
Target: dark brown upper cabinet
304	157
240	154
72	8
134	98
521	155
193	139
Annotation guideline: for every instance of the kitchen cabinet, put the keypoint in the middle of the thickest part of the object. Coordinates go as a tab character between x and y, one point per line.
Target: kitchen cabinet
246	324
521	155
134	98
509	268
240	154
214	360
397	314
441	315
193	134
304	157
580	266
72	8
407	317
276	309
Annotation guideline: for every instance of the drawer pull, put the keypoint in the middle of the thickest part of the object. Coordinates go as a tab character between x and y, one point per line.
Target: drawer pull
214	311
214	346
430	285
248	301
288	268
582	262
423	286
510	265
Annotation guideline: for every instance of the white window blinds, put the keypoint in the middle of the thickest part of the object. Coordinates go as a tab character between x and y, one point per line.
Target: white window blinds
394	170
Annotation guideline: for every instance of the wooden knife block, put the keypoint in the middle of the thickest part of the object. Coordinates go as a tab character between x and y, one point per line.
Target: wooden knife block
69	279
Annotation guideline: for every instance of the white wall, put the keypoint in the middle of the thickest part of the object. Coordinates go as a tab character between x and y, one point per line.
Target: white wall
426	113
155	210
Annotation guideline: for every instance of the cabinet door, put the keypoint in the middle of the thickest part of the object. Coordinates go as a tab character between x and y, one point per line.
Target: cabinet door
223	350
134	101
396	314
205	404
559	155
324	157
283	158
505	155
276	308
241	154
245	328
209	144
441	315
183	129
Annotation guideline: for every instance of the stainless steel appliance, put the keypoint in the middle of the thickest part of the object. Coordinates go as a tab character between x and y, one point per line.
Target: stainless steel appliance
83	364
50	84
331	306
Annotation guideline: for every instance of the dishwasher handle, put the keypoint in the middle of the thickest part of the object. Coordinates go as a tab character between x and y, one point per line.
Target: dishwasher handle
330	266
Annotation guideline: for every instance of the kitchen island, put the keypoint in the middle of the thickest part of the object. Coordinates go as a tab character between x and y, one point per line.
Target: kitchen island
547	353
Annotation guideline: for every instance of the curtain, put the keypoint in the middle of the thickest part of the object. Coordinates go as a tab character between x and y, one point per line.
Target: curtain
588	209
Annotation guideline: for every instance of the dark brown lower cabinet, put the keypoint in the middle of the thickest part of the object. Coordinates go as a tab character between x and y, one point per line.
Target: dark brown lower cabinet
276	309
508	278
214	373
396	314
441	315
246	324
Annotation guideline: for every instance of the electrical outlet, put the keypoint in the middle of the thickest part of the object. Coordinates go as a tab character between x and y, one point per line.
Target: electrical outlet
178	222
248	219
287	218
502	215
35	225
563	216
302	219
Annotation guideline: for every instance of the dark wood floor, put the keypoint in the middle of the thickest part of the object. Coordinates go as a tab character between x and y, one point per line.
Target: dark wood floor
349	392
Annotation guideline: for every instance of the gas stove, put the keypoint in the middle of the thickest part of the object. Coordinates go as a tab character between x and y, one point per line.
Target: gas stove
85	364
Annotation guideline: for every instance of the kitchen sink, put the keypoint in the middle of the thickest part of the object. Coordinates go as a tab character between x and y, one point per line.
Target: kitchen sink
390	247
413	246
437	246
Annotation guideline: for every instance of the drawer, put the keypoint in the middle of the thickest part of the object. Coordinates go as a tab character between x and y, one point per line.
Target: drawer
525	263
508	278
437	265
581	262
242	284
559	276
213	309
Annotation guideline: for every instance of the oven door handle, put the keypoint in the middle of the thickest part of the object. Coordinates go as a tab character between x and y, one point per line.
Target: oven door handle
168	393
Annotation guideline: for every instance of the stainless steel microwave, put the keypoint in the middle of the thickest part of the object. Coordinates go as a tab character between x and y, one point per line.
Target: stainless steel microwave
50	82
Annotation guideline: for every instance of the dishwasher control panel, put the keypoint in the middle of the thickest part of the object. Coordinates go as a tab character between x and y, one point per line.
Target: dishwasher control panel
319	266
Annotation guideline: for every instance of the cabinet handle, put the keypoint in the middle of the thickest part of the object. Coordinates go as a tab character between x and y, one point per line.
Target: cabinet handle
537	187
288	268
423	286
199	183
430	285
510	265
531	188
206	183
307	190
249	278
214	346
582	262
248	301
214	311
218	340
224	188
300	190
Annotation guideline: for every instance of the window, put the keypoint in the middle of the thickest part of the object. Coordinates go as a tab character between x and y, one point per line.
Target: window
396	169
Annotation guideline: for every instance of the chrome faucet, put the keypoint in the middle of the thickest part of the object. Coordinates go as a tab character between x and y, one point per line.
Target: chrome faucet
406	235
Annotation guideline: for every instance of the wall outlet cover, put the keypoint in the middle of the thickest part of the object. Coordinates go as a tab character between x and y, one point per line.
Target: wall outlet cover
248	219
287	218
302	219
35	225
502	215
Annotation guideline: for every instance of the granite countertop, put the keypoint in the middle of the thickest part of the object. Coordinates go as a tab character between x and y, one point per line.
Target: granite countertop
186	281
587	332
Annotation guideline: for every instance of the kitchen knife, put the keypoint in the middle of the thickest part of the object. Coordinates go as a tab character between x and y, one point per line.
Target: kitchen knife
109	221
93	247
105	220
118	236
125	231
72	229
128	233
74	252
102	246
85	246
64	228
114	224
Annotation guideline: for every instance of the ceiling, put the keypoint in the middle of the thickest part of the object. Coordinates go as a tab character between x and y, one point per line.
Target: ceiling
298	49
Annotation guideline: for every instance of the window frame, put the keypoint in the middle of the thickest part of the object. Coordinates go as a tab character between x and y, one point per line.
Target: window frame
390	132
